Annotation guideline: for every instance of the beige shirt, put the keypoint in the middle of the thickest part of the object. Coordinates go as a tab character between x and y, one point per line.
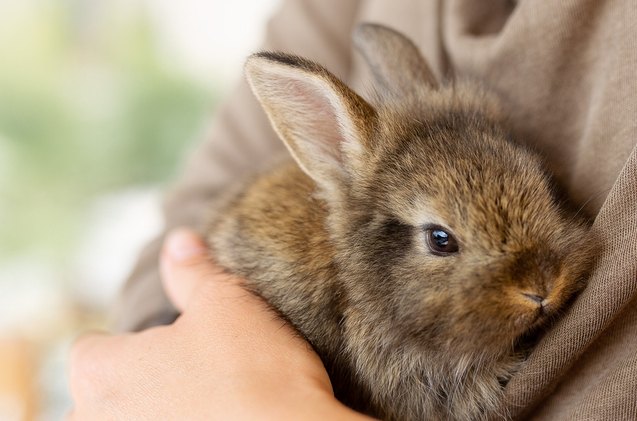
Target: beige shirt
567	74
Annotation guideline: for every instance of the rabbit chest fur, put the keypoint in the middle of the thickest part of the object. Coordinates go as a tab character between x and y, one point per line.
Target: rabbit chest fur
409	241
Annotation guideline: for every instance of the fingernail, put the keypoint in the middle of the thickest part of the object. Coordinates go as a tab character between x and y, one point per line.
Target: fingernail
183	244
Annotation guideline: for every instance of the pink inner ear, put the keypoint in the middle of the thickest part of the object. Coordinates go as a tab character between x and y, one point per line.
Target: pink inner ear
311	117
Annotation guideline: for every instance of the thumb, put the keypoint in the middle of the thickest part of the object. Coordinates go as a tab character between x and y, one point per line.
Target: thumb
185	265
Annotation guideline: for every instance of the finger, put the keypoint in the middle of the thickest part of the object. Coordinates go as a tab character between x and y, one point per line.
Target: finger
88	346
89	361
185	266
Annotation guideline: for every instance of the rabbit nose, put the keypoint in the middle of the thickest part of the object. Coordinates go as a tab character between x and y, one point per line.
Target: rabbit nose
534	297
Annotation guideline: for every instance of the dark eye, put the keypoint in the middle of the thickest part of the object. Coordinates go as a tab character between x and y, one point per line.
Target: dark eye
440	242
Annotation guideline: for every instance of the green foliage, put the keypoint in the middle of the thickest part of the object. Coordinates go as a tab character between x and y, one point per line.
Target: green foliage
84	110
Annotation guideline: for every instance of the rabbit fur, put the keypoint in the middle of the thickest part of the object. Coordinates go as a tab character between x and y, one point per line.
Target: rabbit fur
338	239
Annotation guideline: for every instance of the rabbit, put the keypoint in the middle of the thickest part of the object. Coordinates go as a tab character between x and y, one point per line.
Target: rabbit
410	241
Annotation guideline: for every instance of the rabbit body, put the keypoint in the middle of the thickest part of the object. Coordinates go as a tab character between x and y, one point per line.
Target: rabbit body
345	240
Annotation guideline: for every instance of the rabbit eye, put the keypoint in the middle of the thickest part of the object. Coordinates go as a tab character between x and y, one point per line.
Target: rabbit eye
440	242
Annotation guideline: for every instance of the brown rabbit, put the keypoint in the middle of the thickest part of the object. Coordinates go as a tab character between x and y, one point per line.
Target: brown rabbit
411	243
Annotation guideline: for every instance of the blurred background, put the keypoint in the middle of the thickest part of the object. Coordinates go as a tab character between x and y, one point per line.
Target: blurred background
99	101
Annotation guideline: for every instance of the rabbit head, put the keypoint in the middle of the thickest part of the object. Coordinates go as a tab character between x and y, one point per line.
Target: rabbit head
448	235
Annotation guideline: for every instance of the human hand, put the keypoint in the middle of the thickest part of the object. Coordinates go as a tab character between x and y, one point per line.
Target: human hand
228	356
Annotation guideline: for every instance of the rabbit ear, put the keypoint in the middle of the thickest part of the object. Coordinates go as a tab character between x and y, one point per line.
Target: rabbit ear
324	124
395	61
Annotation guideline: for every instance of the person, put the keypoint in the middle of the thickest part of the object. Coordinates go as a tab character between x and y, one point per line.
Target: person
565	73
228	356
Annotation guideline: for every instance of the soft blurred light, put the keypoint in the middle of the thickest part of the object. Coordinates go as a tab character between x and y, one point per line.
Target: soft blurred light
118	226
98	102
211	36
